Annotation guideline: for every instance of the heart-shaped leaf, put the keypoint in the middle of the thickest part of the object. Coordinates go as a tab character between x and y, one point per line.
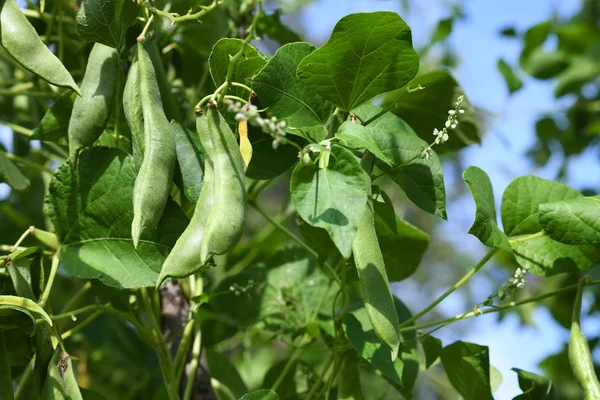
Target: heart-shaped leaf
575	221
106	21
91	208
468	368
366	55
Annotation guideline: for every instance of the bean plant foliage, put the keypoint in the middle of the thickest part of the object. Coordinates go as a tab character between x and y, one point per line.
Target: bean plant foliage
219	210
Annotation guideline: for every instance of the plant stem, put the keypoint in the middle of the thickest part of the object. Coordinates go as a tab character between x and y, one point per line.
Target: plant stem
448	292
328	363
17	128
337	120
27	162
22	237
82	310
48	288
189	16
288	365
81	325
506	306
196	348
87	286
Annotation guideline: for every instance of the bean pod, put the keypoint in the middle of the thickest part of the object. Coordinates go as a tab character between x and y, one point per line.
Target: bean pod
92	110
132	109
579	354
19	38
153	183
226	220
184	259
373	279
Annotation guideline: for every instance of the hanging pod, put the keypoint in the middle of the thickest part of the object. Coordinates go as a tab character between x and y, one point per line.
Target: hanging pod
372	276
92	110
184	259
226	220
132	109
22	42
153	182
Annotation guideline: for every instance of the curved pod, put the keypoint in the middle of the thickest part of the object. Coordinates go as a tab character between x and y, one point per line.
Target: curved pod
185	259
132	109
153	183
92	110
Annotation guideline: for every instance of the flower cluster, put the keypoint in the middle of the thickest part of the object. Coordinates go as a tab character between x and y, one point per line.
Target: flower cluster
324	147
249	112
508	288
442	136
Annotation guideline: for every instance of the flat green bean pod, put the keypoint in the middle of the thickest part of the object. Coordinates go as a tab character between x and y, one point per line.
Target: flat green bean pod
373	279
22	42
184	259
92	110
132	108
153	183
226	220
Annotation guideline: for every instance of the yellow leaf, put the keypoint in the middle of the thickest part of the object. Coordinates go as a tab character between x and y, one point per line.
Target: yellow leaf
245	145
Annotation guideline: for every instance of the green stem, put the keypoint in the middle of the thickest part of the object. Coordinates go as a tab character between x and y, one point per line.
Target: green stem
182	350
27	162
82	310
525	238
81	325
173	17
22	237
142	35
48	288
196	348
506	306
74	299
328	363
448	292
286	369
337	120
17	128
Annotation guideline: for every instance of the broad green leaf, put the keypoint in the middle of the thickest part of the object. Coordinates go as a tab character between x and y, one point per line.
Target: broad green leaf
495	378
224	371
60	382
190	160
6	386
432	347
534	386
24	305
420	178
366	55
91	209
213	26
263	394
427	109
580	71
248	65
106	21
531	245
403	372
287	98
272	26
544	64
54	125
349	378
267	162
25	277
402	244
443	30
468	368
513	83
290	274
355	136
333	198
368	345
10	174
21	41
575	221
485	227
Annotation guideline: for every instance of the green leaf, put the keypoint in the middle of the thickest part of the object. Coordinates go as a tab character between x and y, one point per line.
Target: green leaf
368	345
213	27
248	65
55	123
468	368
575	221
333	198
432	347
355	136
580	71
91	208
531	245
24	305
10	174
21	41
349	378
366	55
23	276
443	30
224	371
534	386
278	88
190	160
512	80
106	21
272	26
6	386
485	226
60	382
427	109
420	178
263	394
544	64
402	244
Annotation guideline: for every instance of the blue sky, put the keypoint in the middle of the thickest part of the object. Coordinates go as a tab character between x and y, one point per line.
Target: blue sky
501	154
